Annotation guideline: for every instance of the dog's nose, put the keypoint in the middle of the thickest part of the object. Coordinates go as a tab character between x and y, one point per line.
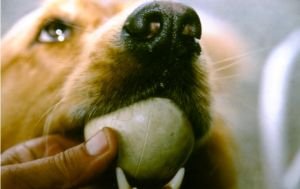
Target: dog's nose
160	28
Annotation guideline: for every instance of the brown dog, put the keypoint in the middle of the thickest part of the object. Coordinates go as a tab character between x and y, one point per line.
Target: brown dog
73	60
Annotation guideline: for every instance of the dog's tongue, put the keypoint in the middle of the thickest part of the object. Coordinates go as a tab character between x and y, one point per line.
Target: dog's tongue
155	139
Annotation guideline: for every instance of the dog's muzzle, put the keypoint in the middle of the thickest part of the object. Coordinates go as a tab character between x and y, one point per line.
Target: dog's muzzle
163	39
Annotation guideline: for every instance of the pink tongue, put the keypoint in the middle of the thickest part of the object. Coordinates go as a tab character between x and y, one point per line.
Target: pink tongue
155	138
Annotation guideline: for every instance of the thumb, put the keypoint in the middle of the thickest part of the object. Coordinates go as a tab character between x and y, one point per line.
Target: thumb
67	169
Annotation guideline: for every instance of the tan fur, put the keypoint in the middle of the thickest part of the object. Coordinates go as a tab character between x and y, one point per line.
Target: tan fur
42	83
22	68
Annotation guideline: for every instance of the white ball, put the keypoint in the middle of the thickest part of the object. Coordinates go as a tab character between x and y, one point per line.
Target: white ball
155	138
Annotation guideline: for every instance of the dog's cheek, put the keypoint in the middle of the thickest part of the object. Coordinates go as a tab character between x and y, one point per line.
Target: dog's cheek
103	63
96	80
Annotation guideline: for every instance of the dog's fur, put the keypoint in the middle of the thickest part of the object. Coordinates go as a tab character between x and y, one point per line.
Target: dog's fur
48	87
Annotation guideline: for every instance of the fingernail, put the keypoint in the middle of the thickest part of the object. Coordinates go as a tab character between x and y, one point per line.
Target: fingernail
97	144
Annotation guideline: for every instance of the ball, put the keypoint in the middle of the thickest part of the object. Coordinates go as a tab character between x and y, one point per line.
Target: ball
155	138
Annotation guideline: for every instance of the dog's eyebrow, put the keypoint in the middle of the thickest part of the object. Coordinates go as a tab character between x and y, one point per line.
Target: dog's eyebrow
64	21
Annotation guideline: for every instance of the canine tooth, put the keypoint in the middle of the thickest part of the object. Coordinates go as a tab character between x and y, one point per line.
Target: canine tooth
121	179
197	40
175	183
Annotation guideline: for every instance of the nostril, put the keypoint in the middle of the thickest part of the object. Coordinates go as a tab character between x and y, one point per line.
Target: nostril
144	24
190	23
153	30
191	31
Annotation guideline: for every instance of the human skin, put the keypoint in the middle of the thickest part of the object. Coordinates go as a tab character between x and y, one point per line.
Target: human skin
57	162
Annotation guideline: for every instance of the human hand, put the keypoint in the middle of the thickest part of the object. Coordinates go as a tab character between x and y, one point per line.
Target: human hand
56	162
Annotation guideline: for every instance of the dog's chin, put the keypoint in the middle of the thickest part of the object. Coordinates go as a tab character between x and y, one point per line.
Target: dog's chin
155	140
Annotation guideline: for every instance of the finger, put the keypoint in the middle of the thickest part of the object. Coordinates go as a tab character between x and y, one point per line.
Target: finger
67	169
36	149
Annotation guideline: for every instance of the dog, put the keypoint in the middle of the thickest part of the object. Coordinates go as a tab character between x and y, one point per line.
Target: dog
72	60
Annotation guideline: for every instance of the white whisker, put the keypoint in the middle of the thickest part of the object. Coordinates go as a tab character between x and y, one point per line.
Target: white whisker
43	116
241	55
226	66
48	121
227	77
47	125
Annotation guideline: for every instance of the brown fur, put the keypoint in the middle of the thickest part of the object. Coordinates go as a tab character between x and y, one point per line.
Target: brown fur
47	87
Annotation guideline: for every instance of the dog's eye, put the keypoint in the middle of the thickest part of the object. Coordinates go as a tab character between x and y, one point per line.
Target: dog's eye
55	31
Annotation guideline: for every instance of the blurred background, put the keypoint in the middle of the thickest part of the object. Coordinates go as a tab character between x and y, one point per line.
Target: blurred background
263	24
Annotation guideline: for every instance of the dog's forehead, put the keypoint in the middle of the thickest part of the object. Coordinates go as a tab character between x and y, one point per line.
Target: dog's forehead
73	5
85	9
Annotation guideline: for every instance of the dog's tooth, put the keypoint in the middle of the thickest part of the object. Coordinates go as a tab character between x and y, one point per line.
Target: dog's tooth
121	179
175	183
